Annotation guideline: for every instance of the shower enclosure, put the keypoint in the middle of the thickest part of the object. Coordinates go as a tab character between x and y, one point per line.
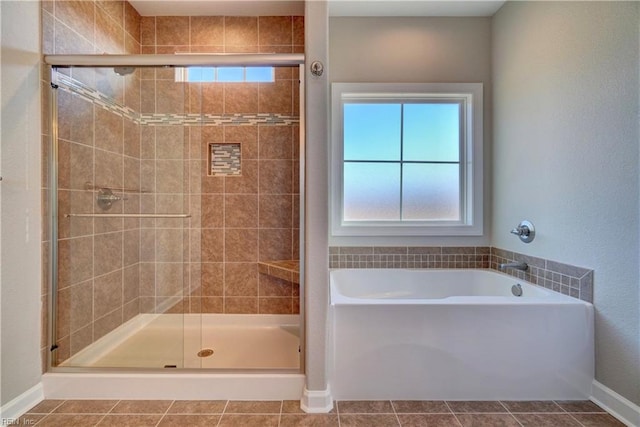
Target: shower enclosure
175	205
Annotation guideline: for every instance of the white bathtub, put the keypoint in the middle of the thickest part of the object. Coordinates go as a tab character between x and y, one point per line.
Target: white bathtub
456	335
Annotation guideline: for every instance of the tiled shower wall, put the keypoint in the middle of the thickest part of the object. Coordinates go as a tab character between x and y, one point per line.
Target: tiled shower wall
113	269
236	220
564	278
98	274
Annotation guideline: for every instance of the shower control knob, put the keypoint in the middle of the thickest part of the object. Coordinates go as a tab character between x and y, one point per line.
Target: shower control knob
525	230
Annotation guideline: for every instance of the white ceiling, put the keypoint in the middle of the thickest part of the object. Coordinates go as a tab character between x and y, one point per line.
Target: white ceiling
336	7
413	8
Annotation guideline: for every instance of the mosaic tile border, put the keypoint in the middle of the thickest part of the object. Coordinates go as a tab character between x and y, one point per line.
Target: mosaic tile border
566	279
96	97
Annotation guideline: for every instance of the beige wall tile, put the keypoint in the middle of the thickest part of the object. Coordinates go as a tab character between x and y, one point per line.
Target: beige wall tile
79	15
107	293
240	31
207	30
275	30
241	245
241	279
172	30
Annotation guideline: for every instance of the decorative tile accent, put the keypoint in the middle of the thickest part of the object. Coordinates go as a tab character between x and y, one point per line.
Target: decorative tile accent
224	159
96	97
567	279
409	257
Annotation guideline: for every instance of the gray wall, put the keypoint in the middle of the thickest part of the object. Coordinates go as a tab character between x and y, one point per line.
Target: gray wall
566	156
416	50
20	194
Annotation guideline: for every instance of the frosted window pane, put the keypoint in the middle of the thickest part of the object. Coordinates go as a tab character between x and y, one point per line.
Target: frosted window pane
372	131
431	132
201	74
371	191
230	74
260	74
431	192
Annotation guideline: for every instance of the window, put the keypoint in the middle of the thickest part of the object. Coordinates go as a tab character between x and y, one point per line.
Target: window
406	159
225	74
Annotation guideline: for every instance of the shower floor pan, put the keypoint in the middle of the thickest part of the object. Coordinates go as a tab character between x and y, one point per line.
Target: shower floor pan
210	341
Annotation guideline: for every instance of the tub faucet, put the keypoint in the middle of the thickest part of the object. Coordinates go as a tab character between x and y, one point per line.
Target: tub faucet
515	265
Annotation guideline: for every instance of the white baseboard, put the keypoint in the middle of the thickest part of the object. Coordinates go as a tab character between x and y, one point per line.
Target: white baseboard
618	406
316	401
14	409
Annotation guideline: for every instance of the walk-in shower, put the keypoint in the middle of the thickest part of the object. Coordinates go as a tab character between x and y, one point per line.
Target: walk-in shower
175	212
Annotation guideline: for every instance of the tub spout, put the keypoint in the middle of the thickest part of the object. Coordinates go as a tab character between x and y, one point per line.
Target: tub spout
515	265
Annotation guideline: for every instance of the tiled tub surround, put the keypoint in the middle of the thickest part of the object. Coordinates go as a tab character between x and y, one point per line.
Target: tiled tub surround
566	279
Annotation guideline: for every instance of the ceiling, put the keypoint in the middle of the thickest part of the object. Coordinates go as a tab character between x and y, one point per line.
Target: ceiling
296	7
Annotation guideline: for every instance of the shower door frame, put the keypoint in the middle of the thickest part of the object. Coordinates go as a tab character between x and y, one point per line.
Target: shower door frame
56	62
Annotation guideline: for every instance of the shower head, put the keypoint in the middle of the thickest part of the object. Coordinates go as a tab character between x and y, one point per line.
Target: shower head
124	71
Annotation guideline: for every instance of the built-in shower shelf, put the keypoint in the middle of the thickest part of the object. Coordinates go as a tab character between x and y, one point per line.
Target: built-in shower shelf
282	269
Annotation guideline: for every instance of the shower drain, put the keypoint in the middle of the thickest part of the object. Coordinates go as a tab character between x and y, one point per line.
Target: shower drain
205	352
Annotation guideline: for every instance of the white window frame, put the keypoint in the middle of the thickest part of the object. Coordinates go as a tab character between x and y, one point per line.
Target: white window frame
471	157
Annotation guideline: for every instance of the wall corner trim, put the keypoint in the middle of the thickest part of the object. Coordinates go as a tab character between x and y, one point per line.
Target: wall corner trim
618	406
316	401
21	404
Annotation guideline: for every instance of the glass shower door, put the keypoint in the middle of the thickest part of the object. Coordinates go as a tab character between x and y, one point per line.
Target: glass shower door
122	219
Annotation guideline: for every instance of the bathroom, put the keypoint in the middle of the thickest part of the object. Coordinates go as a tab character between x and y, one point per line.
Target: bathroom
555	84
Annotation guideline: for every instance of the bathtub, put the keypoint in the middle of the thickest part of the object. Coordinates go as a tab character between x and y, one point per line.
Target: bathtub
456	335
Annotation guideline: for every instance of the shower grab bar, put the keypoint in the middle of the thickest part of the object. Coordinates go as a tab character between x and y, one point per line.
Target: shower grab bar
92	187
114	215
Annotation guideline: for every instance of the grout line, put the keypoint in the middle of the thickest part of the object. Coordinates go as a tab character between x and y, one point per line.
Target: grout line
575	419
454	414
165	413
395	413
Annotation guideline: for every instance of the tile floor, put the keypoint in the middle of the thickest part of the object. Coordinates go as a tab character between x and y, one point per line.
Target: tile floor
134	413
